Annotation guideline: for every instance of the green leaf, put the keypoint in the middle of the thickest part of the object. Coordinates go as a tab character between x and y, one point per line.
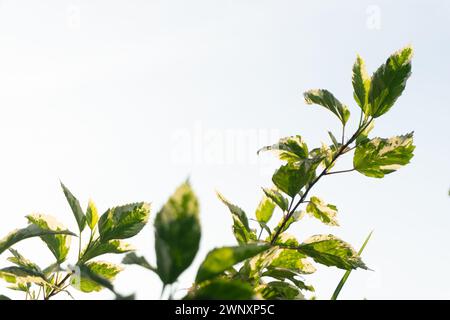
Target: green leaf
123	222
265	209
378	157
221	289
296	216
88	283
290	149
292	260
221	259
363	136
58	244
336	144
326	99
292	177
347	273
2	297
76	208
91	215
20	276
286	274
133	258
241	228
389	81
99	248
361	84
94	276
177	234
25	233
23	262
324	212
277	197
280	290
331	251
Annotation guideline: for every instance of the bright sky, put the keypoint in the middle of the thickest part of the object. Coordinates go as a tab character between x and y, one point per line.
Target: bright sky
123	100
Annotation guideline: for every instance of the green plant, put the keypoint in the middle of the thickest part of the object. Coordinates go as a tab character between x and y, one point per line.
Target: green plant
277	262
268	263
106	234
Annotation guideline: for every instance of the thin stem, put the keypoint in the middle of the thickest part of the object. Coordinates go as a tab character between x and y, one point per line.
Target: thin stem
58	285
79	246
343	134
340	171
323	173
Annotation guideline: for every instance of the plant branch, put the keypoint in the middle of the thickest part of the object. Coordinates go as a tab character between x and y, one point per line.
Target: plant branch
323	173
340	171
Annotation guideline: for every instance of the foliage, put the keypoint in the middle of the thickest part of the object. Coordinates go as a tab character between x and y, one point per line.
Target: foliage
86	275
267	262
270	263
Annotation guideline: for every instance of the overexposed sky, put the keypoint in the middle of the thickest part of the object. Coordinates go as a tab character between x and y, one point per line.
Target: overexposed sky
122	100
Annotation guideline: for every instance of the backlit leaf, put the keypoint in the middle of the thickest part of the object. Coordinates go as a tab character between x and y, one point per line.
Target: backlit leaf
292	177
76	208
389	81
58	244
280	290
324	212
123	222
290	149
177	234
331	251
133	258
89	283
221	259
221	289
265	210
25	233
91	215
378	157
241	228
277	198
326	99
361	84
99	248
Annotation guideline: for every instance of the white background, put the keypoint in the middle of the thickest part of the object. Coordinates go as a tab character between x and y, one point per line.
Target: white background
123	100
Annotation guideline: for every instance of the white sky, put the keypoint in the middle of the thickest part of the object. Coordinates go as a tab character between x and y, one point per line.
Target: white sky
122	100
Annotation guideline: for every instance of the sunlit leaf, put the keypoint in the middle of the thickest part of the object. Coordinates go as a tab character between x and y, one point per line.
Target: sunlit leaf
177	234
123	222
389	81
290	149
86	282
280	290
25	233
292	177
241	228
23	262
287	274
378	157
221	289
321	210
133	258
265	210
331	251
292	260
99	248
93	276
58	244
221	259
277	198
76	208
361	84
326	99
91	215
